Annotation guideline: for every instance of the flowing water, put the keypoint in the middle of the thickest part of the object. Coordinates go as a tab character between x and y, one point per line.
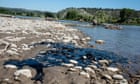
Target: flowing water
124	42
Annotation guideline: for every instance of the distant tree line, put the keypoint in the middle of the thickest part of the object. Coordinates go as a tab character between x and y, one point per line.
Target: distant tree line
122	16
25	12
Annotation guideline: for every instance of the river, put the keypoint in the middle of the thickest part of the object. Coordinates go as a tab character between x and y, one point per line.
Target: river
124	42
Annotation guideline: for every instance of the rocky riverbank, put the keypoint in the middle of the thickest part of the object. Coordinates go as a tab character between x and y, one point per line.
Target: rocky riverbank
46	52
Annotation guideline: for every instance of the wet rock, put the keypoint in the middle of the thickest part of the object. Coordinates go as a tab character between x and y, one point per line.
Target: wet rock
73	61
117	77
100	41
10	66
67	65
113	69
25	72
104	62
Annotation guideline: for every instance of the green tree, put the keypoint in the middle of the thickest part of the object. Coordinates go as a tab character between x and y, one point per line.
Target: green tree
71	14
126	14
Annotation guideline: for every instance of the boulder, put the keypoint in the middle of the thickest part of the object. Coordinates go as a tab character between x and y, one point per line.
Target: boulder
100	41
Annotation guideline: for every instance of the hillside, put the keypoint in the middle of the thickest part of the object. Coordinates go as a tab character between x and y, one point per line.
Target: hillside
124	16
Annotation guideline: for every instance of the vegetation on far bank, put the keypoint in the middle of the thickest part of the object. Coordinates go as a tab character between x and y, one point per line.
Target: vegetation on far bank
121	16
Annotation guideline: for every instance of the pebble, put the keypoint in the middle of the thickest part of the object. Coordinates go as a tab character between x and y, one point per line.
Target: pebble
124	81
100	41
12	52
104	62
118	77
13	45
88	69
78	67
113	69
107	76
93	66
10	66
84	57
25	72
83	73
67	65
73	61
72	69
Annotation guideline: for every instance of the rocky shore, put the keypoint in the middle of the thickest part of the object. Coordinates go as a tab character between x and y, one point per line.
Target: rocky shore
47	52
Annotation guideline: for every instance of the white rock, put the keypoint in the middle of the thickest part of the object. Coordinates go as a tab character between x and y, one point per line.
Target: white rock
12	52
84	57
10	66
88	69
93	66
85	74
107	76
73	61
113	69
104	62
100	41
14	49
25	72
13	45
118	77
78	67
67	65
72	69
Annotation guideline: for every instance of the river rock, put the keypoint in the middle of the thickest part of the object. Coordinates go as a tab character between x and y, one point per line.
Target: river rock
78	67
85	74
73	61
88	69
113	69
10	66
100	41
93	66
11	52
124	81
118	77
107	76
104	62
25	72
67	65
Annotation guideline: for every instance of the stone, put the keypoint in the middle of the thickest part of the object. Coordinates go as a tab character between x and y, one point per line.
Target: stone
13	45
72	69
107	76
104	62
100	41
85	74
113	69
123	81
25	72
78	67
88	69
73	61
11	52
118	77
93	66
10	66
67	65
84	57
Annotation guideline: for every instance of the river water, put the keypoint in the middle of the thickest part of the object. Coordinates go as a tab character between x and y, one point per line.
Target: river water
124	42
